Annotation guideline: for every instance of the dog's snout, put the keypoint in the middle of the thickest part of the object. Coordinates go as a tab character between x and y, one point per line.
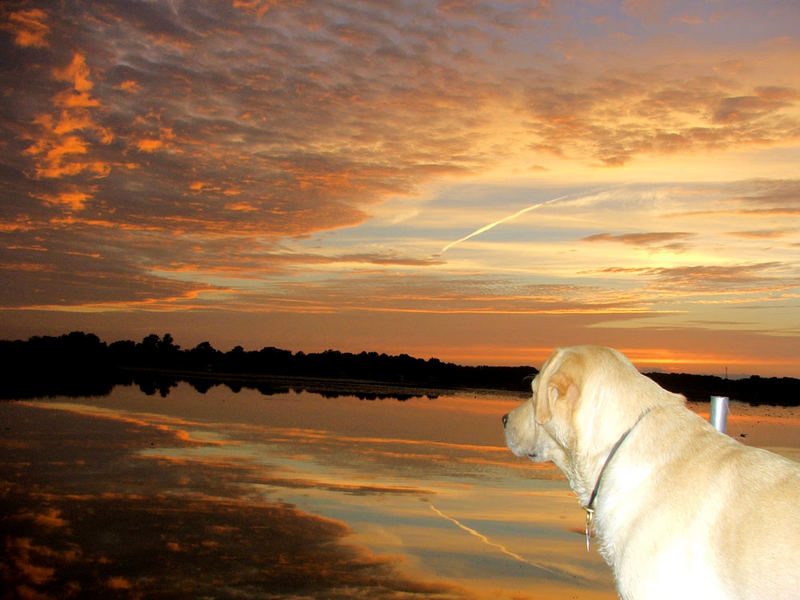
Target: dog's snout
505	419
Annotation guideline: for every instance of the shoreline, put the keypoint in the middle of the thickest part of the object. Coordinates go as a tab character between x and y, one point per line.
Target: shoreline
330	384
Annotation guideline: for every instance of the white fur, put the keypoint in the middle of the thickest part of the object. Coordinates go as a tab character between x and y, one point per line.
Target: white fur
682	512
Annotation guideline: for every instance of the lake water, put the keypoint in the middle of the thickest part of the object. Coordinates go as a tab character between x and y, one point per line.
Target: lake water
294	495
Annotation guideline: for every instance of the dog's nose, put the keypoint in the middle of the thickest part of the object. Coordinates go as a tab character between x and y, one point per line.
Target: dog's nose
505	420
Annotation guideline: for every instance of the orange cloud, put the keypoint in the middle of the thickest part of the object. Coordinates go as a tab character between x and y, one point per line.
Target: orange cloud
129	86
76	73
164	138
74	200
28	27
72	131
260	7
149	145
119	583
49	518
206	167
596	117
242	207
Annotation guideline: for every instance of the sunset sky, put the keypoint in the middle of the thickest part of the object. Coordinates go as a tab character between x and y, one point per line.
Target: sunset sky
472	180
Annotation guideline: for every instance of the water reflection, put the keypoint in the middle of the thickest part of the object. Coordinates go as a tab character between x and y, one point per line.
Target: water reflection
151	384
291	495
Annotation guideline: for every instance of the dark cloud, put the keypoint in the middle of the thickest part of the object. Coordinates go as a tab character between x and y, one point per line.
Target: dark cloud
171	121
144	141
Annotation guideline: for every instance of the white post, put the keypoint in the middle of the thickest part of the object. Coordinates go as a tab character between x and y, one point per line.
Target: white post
719	413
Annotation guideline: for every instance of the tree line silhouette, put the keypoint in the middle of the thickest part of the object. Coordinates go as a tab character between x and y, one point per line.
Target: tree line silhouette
80	363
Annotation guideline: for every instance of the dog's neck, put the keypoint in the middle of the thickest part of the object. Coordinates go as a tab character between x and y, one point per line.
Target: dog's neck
587	478
610	457
590	505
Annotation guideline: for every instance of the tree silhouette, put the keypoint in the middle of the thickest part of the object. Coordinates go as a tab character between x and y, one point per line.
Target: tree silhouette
79	363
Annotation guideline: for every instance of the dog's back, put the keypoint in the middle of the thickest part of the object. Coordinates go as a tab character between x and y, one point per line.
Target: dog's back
692	513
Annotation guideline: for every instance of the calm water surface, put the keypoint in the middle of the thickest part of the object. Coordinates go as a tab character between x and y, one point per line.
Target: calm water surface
294	495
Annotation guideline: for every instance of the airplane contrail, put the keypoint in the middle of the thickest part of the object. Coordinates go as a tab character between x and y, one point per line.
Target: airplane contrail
486	228
489	542
552	570
481	537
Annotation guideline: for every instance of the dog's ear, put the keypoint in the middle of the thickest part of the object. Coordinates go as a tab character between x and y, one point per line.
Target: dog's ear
559	388
541	412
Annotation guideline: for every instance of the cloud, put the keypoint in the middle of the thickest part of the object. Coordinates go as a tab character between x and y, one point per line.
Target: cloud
764	234
49	518
440	295
505	17
77	74
634	114
766	100
228	121
29	28
189	156
765	198
775	192
666	240
61	140
752	212
729	274
75	200
714	279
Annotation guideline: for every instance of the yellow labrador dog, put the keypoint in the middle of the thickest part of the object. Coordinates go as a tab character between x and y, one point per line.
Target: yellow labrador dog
680	510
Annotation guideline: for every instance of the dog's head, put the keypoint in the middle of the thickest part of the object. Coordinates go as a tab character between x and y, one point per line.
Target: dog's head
525	437
584	398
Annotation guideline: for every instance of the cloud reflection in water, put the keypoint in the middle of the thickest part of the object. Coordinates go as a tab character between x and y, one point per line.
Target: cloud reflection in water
236	495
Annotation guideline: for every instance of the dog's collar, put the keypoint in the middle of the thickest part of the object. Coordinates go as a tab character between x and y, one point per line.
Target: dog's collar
589	508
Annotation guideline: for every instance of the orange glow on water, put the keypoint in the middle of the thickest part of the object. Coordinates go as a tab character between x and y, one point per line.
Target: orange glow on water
424	487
